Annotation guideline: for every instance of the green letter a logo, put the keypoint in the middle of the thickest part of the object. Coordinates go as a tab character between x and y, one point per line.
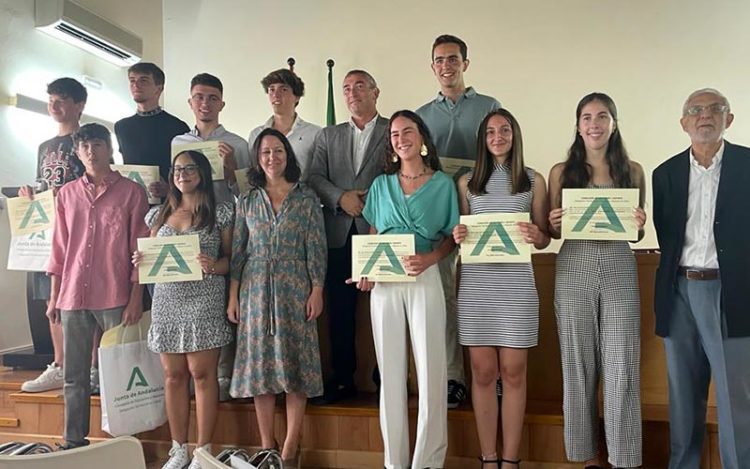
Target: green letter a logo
35	208
170	250
600	203
508	247
394	267
137	378
135	176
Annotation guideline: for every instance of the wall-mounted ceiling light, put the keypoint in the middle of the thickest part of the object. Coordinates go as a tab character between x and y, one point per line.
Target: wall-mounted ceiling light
27	103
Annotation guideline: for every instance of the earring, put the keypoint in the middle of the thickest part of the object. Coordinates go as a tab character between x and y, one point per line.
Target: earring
423	150
394	157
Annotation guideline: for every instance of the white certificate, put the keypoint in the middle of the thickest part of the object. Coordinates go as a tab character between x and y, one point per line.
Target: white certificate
600	214
243	185
456	167
30	252
169	259
28	216
494	238
210	148
141	174
378	257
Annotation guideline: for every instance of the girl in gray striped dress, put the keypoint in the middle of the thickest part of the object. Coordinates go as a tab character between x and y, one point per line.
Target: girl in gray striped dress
499	327
597	303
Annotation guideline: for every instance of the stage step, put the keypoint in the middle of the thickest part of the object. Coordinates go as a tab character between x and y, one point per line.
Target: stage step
336	436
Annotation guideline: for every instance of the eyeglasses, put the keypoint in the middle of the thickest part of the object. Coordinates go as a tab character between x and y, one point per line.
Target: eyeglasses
188	170
712	109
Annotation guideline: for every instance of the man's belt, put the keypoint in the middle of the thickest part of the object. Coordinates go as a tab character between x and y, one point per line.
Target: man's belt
698	274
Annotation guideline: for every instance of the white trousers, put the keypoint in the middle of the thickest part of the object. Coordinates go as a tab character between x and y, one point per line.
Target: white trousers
421	306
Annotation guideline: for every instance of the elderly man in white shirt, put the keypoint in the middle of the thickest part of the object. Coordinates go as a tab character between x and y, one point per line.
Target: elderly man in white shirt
700	214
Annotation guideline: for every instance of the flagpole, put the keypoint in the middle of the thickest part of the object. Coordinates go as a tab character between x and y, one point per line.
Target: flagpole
331	110
290	61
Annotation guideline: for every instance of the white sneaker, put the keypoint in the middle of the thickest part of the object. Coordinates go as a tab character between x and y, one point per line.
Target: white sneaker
51	378
194	464
178	457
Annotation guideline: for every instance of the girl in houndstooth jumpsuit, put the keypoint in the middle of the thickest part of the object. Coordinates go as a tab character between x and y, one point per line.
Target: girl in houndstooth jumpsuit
597	302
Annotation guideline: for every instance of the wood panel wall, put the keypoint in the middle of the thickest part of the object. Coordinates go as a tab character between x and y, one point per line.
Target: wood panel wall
544	373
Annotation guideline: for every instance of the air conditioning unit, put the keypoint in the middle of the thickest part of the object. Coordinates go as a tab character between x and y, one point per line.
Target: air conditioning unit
78	26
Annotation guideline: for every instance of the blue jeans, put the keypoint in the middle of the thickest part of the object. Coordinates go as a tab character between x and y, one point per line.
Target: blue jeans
698	348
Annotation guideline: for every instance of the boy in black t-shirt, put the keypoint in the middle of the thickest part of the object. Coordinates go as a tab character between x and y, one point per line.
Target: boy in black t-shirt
57	164
145	138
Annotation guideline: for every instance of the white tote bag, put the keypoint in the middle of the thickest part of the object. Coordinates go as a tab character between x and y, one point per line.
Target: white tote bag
131	381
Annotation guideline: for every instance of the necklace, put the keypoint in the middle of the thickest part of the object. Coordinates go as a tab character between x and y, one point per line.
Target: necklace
413	178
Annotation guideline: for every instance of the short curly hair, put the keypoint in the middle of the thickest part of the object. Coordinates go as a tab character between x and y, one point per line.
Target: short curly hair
285	77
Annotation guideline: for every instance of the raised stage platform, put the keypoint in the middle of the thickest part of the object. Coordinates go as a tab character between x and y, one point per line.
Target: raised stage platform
340	436
348	436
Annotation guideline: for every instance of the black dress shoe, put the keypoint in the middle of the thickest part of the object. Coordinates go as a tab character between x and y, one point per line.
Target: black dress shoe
456	393
335	394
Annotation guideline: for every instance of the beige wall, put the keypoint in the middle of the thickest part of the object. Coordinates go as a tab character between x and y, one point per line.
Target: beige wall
537	57
28	61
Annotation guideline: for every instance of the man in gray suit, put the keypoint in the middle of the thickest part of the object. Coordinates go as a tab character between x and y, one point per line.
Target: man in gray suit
345	160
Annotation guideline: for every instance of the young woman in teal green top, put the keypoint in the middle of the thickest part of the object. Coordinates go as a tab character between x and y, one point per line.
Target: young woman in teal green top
413	197
422	213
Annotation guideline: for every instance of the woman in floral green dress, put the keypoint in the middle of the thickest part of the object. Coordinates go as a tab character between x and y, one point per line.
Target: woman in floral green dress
276	290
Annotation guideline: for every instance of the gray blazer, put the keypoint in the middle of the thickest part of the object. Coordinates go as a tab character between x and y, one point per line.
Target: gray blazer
331	173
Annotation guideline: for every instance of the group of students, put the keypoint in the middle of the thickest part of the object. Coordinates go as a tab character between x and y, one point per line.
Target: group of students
281	251
596	291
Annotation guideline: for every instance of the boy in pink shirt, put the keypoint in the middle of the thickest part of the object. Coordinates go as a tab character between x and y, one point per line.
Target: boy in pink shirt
99	217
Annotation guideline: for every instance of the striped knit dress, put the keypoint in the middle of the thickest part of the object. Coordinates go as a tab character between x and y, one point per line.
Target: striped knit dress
498	305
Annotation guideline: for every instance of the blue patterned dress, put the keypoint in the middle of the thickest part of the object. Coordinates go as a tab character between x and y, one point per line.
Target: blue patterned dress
277	258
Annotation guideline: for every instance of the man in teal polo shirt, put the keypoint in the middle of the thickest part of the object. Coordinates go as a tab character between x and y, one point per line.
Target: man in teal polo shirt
453	118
